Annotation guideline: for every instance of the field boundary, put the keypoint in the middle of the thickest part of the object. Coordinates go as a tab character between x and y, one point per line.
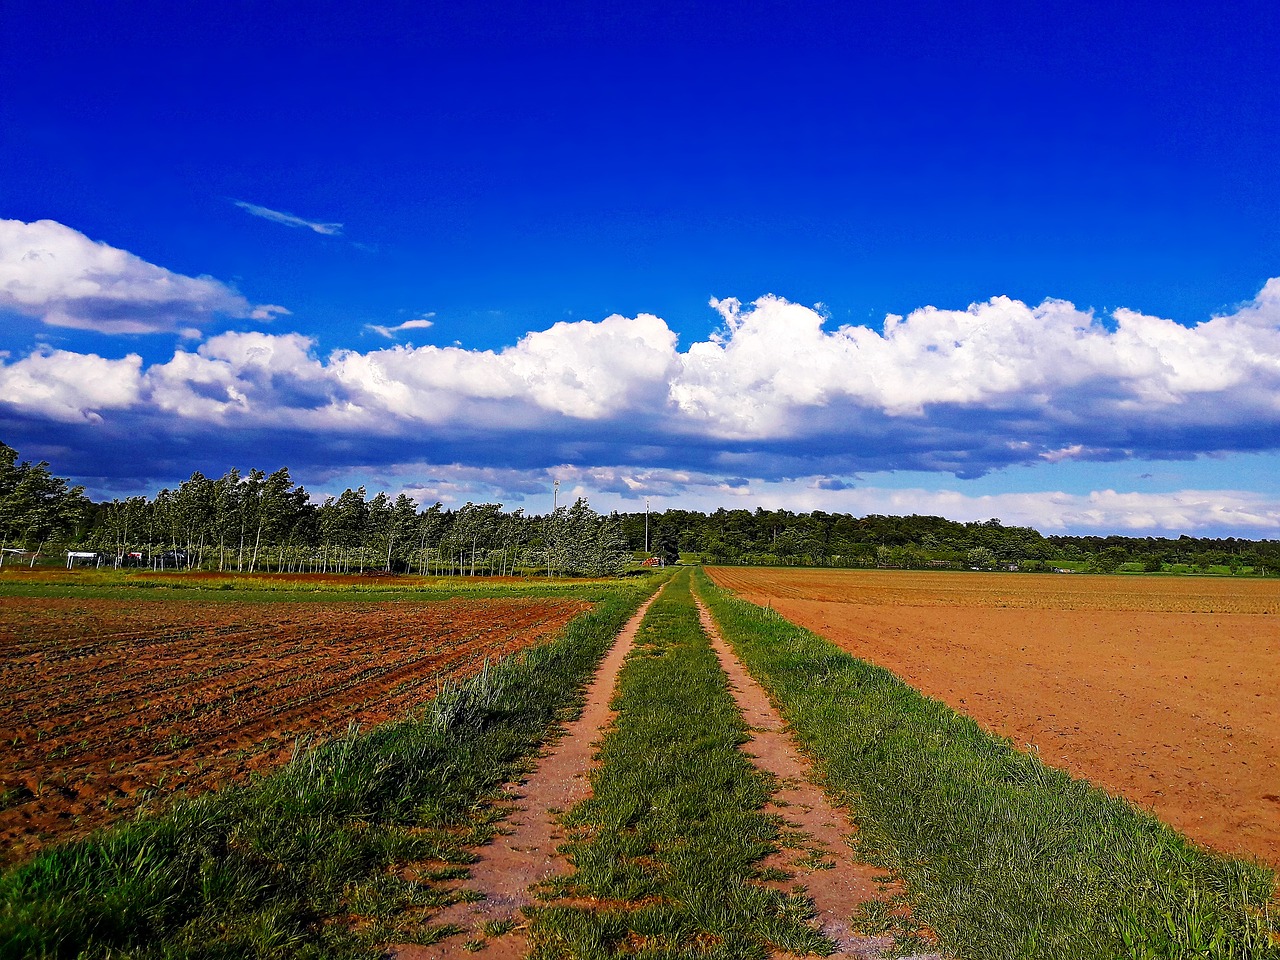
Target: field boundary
668	849
1002	856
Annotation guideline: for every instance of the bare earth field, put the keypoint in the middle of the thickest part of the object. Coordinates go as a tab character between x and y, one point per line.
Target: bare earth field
104	703
1163	690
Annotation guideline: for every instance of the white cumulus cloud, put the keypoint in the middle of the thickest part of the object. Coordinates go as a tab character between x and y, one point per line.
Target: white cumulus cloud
590	370
68	387
422	323
776	363
53	272
585	370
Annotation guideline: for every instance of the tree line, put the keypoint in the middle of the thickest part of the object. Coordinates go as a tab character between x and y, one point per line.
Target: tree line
246	522
254	521
35	506
785	538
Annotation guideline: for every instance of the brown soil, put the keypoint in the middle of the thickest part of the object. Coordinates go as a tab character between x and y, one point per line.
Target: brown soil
105	704
1162	690
525	852
820	857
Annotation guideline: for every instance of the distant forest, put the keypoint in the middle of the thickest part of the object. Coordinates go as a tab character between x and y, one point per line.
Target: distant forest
784	538
255	521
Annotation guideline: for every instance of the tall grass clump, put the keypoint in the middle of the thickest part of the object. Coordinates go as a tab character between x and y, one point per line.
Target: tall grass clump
307	862
666	848
1003	856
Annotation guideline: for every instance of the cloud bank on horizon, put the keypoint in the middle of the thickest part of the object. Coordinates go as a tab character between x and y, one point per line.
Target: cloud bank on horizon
772	398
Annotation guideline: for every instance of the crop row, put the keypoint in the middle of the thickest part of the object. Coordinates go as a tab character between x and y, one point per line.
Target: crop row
226	703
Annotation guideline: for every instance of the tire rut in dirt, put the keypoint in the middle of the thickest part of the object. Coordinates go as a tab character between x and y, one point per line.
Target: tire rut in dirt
818	855
525	853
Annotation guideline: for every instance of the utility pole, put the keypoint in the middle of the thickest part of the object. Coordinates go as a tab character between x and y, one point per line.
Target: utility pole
555	505
646	526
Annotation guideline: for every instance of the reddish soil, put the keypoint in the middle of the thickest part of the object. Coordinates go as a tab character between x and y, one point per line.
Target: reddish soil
1162	690
105	704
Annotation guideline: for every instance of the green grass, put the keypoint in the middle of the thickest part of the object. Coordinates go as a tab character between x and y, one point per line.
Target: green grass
141	586
667	846
1004	857
305	863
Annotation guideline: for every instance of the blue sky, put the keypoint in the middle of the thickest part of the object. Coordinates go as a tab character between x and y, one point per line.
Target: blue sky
464	249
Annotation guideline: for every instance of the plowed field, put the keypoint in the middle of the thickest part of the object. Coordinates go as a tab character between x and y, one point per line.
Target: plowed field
1163	690
106	703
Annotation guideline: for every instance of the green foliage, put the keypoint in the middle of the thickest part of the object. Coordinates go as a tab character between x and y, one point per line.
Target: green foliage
256	522
143	586
785	538
981	557
35	506
666	544
1004	856
578	540
1109	559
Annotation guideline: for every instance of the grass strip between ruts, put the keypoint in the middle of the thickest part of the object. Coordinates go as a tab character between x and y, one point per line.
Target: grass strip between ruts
666	847
307	862
1004	857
